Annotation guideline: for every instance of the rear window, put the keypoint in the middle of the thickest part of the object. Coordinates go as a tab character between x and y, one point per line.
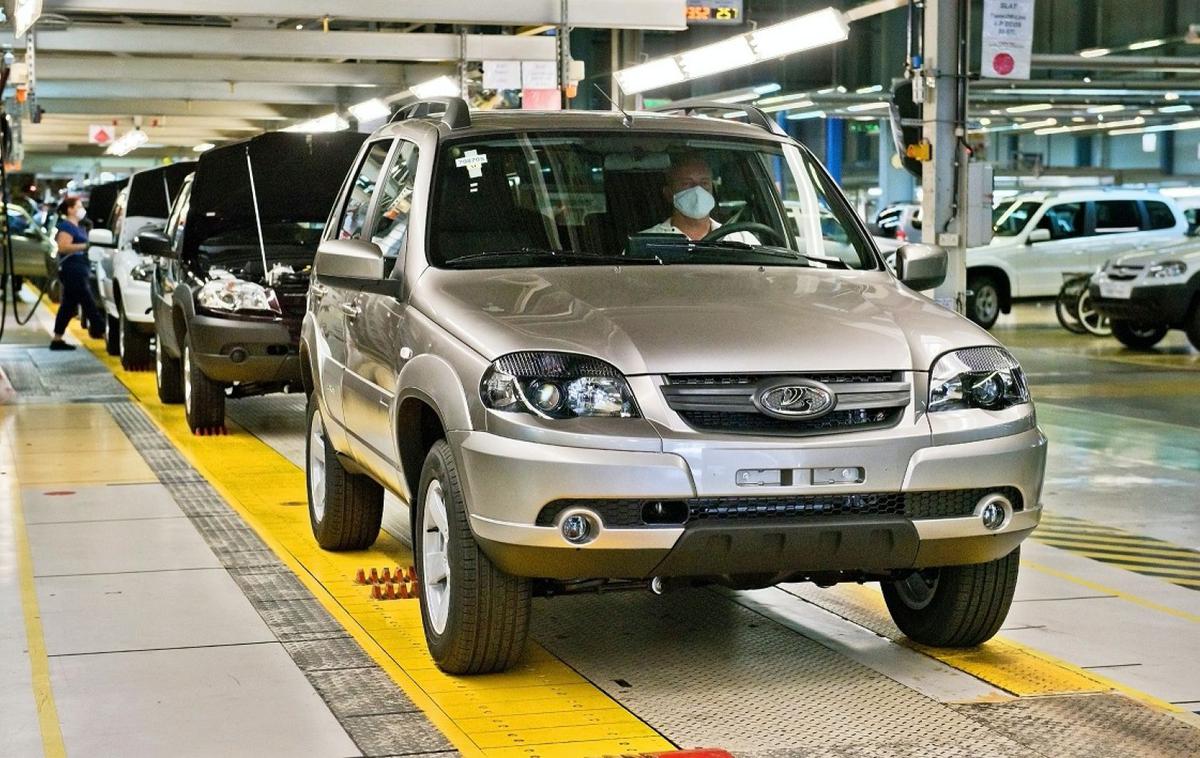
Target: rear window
1160	215
1116	216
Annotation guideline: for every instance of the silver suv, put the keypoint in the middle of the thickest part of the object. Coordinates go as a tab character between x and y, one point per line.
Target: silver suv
598	350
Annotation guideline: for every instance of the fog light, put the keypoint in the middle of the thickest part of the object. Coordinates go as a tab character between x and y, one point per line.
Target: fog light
994	512
578	528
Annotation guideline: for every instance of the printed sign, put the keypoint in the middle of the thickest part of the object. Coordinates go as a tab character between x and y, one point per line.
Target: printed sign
473	162
714	12
501	75
539	75
100	134
1007	39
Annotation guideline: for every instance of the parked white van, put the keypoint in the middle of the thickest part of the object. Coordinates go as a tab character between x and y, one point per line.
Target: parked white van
1041	236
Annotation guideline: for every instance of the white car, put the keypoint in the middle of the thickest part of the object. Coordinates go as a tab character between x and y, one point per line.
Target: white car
1041	236
122	274
1145	295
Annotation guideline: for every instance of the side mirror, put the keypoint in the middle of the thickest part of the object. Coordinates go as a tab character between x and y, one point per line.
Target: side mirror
921	267
154	243
1038	235
352	259
100	238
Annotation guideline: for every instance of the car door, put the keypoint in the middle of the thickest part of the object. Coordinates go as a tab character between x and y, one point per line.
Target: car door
1040	264
331	297
375	335
167	274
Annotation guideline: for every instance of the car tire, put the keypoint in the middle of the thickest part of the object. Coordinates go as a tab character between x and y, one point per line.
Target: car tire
135	346
1193	327
345	509
203	399
1138	337
954	606
476	617
983	306
168	377
112	337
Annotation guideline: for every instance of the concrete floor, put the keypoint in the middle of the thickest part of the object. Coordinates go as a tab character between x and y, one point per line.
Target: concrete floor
149	643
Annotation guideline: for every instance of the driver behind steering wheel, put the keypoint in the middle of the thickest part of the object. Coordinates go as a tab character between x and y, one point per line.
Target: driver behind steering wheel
689	187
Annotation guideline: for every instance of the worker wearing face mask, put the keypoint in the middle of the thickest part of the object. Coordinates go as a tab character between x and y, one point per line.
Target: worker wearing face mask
74	271
689	187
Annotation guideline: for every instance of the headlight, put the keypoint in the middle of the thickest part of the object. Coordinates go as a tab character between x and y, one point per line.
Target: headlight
1167	269
978	377
229	294
142	272
557	385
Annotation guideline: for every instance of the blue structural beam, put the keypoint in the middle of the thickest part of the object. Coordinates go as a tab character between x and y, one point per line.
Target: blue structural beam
835	140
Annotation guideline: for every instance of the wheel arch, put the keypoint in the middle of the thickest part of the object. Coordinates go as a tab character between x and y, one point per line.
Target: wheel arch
1003	282
430	403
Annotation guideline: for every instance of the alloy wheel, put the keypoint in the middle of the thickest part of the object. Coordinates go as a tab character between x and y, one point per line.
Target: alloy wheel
435	558
316	466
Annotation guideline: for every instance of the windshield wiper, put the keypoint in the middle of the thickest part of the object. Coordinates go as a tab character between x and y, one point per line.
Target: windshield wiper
544	254
771	251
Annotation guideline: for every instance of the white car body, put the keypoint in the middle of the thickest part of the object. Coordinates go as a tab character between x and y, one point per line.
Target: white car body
1032	268
123	285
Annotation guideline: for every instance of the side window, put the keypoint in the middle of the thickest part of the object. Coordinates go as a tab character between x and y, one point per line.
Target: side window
1117	216
390	230
354	215
178	217
1160	215
1065	220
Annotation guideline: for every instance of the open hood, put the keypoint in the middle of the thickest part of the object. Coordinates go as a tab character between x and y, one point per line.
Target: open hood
152	191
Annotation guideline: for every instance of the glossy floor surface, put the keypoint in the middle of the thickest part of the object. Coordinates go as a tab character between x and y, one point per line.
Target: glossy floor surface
160	595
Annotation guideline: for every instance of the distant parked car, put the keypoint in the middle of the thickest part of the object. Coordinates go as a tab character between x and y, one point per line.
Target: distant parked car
899	222
34	250
1147	294
233	266
1041	236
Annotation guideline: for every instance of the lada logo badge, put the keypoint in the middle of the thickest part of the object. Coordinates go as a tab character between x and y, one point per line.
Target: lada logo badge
795	399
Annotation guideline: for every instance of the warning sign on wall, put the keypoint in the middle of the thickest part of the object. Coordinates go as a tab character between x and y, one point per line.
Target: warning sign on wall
1007	39
100	134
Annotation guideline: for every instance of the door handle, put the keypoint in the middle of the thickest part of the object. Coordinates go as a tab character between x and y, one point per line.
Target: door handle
352	311
320	290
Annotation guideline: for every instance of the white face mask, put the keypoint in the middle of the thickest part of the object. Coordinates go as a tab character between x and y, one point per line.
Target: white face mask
695	202
81	213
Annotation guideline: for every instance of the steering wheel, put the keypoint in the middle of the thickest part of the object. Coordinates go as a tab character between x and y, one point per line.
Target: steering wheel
759	230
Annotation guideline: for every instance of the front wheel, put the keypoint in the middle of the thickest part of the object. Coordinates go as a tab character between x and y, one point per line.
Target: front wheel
168	376
476	617
1193	327
983	306
344	509
203	399
954	606
112	337
1137	336
135	346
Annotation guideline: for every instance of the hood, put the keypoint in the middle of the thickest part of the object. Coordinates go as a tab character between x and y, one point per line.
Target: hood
698	319
1186	249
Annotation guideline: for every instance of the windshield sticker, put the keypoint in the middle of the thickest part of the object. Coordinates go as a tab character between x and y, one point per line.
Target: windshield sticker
473	162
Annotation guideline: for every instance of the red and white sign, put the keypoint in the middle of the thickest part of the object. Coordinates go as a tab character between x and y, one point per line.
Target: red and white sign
1007	39
101	134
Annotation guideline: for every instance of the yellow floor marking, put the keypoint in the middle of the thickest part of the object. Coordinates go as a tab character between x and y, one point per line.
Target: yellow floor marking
43	693
1107	551
1170	573
1001	662
1107	590
546	700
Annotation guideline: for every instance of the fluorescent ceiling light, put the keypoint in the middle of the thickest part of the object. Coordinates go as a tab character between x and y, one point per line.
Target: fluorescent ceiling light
868	106
371	110
739	98
127	143
766	89
652	75
1078	119
1171	96
985	121
872	88
443	86
1090	127
1094	52
1147	44
805	115
1037	124
330	122
823	27
1032	107
1106	108
1174	109
728	54
794	104
782	98
203	147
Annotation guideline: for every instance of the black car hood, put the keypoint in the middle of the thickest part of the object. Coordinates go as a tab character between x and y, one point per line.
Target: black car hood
152	191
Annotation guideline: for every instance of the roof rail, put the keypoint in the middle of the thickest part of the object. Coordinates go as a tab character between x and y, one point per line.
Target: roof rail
452	110
753	115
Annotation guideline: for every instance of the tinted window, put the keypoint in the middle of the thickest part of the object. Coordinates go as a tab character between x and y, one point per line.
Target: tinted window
395	202
1116	216
354	215
1065	220
1160	215
1009	219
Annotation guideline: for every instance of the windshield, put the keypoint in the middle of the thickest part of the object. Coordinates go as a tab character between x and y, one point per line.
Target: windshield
637	198
1008	219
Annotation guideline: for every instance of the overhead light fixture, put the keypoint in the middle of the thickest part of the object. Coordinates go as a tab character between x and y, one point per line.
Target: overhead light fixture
783	98
872	88
1106	108
442	86
985	121
1147	44
1078	119
299	27
1090	127
1183	108
1176	127
868	106
1038	124
331	122
805	115
1030	108
1171	96
203	147
1094	52
823	27
370	110
794	104
127	143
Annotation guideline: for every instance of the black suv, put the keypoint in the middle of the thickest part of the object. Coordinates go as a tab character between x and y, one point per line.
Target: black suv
233	265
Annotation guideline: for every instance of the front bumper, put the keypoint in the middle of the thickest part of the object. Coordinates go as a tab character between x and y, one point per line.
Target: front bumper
231	350
508	482
1151	305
